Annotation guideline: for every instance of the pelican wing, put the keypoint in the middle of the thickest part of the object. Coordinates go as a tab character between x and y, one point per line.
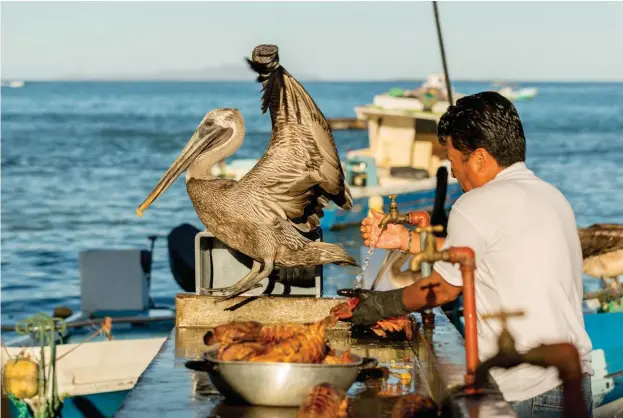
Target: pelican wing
301	170
600	239
293	177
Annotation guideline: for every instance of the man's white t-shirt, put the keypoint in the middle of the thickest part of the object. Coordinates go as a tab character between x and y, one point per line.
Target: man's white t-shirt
528	257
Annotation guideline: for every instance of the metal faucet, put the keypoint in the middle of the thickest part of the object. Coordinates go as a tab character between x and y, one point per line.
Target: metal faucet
393	216
562	356
429	253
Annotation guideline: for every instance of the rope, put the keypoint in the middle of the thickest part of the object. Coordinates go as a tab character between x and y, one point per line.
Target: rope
22	407
120	320
6	350
106	329
47	328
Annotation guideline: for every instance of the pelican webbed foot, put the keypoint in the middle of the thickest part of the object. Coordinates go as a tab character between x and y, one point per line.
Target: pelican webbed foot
249	282
221	291
255	269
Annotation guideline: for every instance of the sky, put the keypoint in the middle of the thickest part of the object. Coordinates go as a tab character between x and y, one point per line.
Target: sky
549	41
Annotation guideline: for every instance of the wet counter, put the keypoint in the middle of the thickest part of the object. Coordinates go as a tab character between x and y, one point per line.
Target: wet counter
432	365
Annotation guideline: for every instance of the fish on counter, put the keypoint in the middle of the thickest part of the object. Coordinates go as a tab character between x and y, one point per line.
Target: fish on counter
281	343
266	213
292	342
324	401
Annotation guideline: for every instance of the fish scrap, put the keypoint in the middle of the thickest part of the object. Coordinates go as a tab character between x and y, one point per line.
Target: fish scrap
283	343
382	327
324	401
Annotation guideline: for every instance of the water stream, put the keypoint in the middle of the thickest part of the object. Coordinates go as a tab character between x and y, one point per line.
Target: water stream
359	278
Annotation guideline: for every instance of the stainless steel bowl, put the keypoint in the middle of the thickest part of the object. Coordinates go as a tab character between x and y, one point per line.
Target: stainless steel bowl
276	384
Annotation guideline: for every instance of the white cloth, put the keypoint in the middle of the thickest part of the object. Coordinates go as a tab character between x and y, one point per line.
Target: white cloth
528	257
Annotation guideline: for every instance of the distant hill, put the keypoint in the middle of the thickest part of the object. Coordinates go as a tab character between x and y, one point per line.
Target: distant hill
228	72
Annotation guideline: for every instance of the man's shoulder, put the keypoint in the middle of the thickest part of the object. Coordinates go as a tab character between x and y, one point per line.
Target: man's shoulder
475	198
501	199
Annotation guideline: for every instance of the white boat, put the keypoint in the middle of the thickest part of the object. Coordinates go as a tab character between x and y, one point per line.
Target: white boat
431	96
518	94
13	84
99	369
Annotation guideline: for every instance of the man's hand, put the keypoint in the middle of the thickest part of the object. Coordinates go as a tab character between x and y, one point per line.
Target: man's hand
366	307
394	237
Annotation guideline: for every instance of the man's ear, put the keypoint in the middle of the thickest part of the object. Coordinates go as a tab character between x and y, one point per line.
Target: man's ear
479	159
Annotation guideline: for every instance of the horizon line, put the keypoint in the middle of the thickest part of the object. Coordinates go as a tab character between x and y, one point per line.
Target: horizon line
321	80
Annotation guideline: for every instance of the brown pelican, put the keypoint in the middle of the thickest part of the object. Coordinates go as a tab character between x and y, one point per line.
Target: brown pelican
263	214
602	249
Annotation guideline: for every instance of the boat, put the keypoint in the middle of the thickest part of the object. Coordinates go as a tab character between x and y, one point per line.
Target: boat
514	95
403	155
13	84
431	96
106	346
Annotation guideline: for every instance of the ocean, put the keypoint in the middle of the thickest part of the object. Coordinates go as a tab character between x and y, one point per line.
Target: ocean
78	157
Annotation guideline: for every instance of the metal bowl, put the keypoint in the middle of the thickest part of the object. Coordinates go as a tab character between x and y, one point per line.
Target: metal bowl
276	384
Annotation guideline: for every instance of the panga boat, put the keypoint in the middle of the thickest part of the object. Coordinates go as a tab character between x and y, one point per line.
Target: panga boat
518	94
106	346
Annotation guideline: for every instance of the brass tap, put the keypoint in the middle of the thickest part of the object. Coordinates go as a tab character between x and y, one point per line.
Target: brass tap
563	356
394	215
429	253
506	342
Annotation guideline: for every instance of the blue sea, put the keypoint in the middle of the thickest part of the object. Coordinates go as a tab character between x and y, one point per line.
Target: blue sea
77	159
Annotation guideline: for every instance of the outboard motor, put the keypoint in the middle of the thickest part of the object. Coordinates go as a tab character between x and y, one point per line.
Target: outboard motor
181	242
438	215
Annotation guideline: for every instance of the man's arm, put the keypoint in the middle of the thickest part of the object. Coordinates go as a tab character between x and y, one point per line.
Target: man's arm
415	243
418	296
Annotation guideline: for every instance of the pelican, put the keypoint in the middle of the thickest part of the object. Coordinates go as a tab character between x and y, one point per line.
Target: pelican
266	212
602	250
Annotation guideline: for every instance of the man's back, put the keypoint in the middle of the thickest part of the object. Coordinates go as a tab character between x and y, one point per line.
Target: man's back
518	224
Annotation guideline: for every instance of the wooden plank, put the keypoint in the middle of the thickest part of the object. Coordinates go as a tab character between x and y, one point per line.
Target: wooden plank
201	311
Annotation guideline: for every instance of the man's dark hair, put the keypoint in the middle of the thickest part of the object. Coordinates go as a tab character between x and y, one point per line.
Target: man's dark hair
485	120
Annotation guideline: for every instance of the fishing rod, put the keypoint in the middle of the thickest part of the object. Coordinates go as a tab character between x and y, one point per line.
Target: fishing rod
443	54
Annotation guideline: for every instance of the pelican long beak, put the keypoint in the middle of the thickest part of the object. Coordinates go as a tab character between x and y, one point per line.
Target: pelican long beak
206	136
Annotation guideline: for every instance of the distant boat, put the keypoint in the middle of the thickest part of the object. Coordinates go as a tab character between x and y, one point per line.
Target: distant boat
431	96
518	94
13	84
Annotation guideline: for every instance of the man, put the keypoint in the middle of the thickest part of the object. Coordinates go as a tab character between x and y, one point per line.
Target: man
528	254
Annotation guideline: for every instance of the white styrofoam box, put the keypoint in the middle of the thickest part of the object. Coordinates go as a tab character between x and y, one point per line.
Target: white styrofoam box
217	266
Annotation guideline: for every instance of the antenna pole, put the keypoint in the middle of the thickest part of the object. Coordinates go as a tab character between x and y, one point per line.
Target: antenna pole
443	54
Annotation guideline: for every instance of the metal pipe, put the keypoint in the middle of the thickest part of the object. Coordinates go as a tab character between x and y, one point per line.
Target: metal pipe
428	317
464	256
443	54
